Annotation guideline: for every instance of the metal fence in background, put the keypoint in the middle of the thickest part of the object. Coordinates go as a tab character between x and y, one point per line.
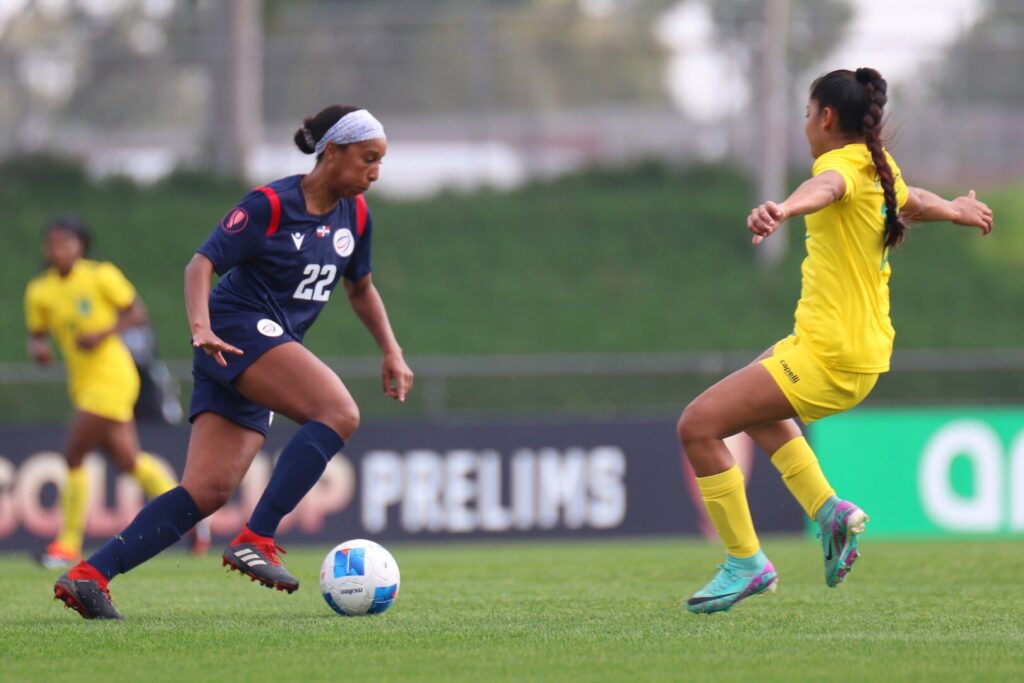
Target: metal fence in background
592	385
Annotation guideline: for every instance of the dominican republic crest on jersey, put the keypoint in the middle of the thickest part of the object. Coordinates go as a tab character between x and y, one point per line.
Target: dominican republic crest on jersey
344	242
323	231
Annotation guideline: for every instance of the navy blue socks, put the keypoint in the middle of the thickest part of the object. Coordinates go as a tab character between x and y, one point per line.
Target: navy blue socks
168	517
157	527
298	468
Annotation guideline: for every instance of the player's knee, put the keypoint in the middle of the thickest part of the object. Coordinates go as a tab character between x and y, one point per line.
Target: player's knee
692	425
683	428
209	495
342	417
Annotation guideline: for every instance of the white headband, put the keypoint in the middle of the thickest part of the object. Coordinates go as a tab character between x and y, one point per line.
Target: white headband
355	126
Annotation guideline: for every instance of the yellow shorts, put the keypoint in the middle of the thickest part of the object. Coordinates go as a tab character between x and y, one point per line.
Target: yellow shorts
814	390
112	400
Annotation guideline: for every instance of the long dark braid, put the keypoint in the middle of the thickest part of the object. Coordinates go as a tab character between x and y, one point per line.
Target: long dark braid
876	88
859	99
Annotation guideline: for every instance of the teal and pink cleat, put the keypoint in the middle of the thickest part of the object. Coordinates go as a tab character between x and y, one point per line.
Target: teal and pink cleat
839	523
736	580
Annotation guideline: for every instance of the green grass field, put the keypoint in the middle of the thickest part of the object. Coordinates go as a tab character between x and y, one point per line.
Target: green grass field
577	611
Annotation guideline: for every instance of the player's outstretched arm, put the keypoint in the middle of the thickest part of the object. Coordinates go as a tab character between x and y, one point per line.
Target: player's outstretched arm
198	273
813	195
396	376
925	206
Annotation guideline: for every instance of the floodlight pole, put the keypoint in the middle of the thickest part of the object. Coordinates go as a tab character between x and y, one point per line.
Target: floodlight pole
772	181
237	97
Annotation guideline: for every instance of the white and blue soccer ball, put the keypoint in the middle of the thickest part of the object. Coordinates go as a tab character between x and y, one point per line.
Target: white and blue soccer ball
359	577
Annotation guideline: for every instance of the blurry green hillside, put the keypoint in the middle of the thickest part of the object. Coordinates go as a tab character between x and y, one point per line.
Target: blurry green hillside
639	259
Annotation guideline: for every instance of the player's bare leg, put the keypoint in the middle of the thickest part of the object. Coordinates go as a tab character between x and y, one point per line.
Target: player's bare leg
323	398
219	454
743	401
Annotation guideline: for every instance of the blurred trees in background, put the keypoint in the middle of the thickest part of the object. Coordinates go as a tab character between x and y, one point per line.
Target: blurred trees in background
146	65
73	62
443	57
815	27
79	77
987	64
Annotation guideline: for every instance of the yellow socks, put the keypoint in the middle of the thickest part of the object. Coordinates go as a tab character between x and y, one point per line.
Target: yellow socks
726	501
151	476
802	475
74	498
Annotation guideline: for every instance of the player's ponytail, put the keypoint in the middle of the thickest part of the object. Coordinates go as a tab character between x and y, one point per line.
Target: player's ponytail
304	139
859	99
876	88
314	127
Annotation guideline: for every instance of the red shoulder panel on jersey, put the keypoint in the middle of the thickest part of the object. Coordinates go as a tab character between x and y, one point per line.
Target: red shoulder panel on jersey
275	209
360	214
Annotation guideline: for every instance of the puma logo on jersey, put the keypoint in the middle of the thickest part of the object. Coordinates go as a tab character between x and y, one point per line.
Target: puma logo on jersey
297	238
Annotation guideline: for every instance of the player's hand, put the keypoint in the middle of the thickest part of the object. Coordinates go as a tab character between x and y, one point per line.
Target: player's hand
972	212
91	340
40	351
214	346
396	376
765	219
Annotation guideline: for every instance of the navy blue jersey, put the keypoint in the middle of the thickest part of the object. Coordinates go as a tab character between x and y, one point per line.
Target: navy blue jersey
278	259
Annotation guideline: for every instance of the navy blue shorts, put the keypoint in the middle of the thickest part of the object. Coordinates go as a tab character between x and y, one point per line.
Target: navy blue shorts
214	388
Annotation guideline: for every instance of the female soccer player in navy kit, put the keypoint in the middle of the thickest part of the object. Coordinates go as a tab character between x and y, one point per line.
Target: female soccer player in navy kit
280	252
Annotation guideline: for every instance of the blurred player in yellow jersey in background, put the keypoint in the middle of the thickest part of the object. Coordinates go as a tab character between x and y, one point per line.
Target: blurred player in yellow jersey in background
84	305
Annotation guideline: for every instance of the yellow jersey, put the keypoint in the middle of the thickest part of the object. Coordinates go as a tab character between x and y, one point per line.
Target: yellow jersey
87	300
843	313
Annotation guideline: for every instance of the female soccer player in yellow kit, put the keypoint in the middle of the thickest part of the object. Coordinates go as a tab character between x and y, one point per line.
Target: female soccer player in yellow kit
855	204
83	305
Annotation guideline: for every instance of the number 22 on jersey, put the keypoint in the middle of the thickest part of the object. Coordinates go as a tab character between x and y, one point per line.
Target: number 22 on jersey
318	279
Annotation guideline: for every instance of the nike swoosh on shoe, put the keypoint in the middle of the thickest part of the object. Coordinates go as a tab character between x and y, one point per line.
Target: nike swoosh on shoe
708	598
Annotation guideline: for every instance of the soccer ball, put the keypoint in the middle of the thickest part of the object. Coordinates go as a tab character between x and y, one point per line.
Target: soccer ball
359	577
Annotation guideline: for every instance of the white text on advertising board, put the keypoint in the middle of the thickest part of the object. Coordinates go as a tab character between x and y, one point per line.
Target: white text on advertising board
464	490
996	500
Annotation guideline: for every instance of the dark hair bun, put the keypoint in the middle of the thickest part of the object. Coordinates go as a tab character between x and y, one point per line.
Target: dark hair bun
865	75
304	139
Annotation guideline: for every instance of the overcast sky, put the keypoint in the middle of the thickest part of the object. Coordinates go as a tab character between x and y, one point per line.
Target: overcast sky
897	37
